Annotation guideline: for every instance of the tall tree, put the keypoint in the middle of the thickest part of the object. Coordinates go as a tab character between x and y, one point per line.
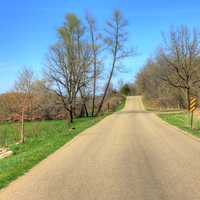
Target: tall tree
65	62
181	58
116	40
85	77
96	49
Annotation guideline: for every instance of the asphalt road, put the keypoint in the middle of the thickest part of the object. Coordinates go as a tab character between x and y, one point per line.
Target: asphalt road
130	155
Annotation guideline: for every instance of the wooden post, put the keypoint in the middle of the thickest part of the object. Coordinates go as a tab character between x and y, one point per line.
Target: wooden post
192	114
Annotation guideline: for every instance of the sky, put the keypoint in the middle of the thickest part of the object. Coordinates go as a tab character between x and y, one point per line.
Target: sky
28	28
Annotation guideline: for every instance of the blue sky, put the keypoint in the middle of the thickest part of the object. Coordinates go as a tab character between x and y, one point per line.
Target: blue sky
28	28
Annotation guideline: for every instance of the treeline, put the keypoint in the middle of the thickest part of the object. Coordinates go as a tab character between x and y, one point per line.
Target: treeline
172	76
37	101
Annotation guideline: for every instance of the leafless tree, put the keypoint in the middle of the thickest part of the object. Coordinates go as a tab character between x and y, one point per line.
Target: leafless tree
86	76
180	56
66	63
96	50
24	85
116	40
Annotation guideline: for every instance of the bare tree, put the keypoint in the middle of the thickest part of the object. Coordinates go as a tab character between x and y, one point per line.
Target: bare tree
116	40
181	58
85	76
96	49
24	85
66	61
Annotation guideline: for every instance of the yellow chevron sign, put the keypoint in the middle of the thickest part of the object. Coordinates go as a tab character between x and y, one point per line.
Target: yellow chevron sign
193	104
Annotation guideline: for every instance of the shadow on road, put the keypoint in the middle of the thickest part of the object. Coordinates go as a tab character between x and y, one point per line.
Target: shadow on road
132	112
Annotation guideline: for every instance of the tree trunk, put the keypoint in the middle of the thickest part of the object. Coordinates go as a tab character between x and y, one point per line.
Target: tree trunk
83	103
188	98
82	112
94	54
107	86
93	98
94	89
86	111
116	48
22	127
71	114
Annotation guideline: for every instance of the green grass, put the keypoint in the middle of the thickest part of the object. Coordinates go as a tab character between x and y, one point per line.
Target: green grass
49	136
120	106
182	121
42	139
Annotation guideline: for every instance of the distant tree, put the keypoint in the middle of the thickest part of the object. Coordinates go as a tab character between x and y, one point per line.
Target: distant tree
164	95
125	90
10	104
46	102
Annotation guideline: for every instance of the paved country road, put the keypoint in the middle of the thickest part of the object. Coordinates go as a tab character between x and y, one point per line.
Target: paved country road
130	155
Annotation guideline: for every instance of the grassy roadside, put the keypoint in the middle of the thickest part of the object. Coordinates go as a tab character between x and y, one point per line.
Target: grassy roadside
182	121
120	106
52	135
46	139
178	118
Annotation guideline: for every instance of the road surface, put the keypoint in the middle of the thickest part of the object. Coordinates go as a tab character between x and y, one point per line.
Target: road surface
130	155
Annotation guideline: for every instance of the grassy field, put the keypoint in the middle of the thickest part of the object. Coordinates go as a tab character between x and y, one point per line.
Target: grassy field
182	121
42	139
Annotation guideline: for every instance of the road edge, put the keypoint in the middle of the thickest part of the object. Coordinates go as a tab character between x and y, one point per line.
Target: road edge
188	134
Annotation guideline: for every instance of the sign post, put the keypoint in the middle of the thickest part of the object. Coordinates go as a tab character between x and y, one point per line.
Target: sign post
193	106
